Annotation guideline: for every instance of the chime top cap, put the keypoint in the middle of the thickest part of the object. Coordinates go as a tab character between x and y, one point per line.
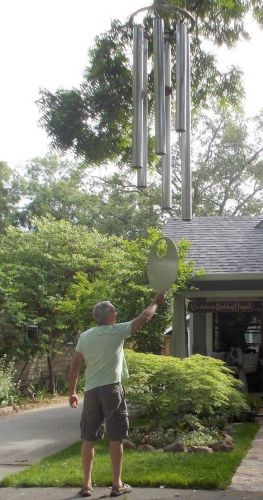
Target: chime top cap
159	9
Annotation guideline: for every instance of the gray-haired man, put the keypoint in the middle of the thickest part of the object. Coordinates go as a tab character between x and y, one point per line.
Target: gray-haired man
101	348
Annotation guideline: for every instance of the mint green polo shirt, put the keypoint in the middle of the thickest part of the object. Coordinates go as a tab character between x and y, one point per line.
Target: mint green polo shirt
102	349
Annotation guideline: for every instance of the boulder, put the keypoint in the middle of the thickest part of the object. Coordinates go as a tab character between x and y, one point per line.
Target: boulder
228	439
145	447
128	445
197	449
177	446
222	446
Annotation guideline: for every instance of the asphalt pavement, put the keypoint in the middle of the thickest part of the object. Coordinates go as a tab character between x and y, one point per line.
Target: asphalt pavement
28	436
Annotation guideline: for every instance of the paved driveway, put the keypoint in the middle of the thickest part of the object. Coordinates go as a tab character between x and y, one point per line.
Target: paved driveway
29	436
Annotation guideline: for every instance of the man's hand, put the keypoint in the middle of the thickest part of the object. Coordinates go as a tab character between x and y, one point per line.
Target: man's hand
74	401
148	313
159	298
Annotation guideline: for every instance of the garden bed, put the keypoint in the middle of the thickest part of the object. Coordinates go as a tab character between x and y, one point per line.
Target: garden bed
154	469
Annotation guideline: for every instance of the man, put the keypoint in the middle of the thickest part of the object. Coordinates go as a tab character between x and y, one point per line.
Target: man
101	348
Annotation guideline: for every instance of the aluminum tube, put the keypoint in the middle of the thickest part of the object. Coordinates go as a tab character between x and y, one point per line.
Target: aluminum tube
186	145
166	159
142	172
137	142
181	42
159	85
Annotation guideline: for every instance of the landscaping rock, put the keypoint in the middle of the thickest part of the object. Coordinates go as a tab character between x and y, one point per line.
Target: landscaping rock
228	439
5	410
145	447
177	446
222	446
196	449
128	445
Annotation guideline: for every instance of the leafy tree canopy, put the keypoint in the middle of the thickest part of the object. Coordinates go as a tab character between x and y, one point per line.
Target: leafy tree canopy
227	179
55	274
94	121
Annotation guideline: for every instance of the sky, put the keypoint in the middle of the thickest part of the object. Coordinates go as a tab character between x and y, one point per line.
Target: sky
45	44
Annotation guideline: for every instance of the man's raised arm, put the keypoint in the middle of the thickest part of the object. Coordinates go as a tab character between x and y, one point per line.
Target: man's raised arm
148	313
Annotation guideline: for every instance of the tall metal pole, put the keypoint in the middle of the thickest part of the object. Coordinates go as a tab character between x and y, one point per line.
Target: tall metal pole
186	145
166	159
159	86
142	172
137	143
181	42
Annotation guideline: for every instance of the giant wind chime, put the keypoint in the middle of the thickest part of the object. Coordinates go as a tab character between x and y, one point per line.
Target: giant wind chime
164	34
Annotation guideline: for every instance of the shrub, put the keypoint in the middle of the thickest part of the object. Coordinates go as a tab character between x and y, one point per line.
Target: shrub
205	437
198	385
8	388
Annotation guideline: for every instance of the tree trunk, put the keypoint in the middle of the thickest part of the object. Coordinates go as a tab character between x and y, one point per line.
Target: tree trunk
51	376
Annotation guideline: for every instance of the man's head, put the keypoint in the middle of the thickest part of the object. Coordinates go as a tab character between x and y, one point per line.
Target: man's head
104	313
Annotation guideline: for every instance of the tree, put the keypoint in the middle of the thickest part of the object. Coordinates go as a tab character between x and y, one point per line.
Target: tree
52	277
124	280
9	195
94	121
126	285
68	191
228	178
36	270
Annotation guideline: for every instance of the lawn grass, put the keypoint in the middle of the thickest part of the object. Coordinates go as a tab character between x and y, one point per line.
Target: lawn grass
181	470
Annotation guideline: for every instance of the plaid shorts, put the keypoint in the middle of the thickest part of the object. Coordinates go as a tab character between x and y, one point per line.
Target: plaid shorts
106	403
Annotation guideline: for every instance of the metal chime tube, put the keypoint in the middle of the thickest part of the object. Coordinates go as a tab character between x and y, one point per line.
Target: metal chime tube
137	143
166	159
181	56
159	86
142	172
186	146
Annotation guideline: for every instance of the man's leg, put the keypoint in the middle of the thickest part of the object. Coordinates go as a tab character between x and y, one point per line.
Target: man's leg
116	454
87	455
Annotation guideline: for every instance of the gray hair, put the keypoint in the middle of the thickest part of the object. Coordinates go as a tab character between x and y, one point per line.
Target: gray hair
101	310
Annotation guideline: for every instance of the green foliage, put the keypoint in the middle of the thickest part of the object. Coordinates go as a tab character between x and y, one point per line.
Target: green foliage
94	121
157	438
198	385
203	437
9	389
9	195
227	179
228	157
122	279
36	270
55	274
70	191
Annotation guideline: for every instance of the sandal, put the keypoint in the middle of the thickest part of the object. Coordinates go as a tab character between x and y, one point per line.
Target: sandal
86	492
116	492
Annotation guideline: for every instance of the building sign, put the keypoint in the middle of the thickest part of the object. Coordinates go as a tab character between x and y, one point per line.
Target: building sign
224	307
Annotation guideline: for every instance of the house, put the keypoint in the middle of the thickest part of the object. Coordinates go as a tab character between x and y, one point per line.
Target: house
226	306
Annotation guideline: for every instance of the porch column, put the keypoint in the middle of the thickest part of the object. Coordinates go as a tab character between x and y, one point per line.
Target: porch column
179	348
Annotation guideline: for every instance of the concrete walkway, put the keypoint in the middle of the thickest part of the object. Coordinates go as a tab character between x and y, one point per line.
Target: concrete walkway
249	475
137	494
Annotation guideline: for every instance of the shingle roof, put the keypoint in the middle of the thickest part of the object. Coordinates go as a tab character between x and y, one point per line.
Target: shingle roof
221	244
